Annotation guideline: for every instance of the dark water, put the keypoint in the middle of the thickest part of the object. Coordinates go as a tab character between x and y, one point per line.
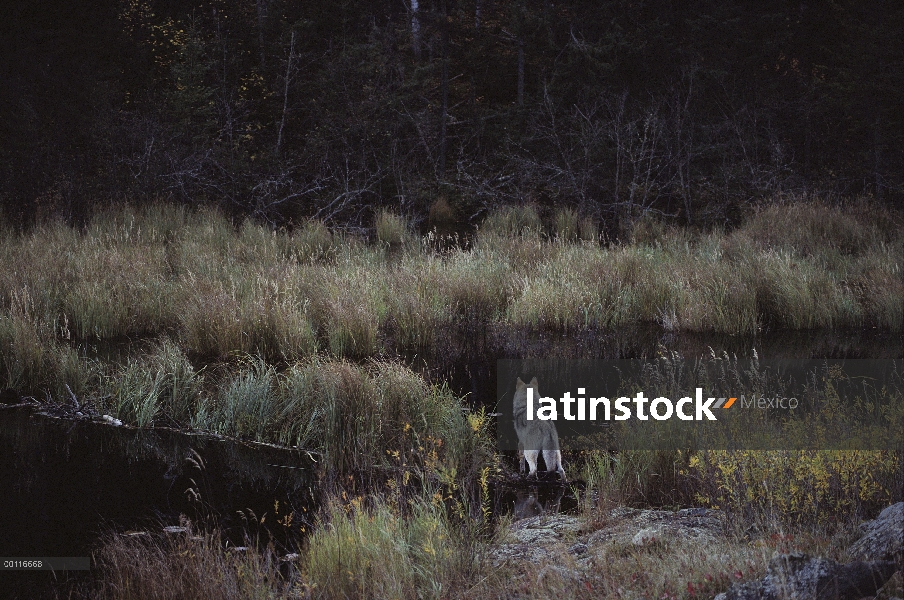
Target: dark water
469	363
65	481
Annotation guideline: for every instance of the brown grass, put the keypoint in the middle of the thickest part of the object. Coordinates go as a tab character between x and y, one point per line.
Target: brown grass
191	565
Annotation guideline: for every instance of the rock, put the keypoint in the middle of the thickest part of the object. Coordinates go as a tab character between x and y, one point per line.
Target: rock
562	573
803	577
883	538
554	537
111	420
648	535
641	527
535	538
536	529
578	549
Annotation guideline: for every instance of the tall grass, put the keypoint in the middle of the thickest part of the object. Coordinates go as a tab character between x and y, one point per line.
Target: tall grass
191	565
370	419
384	416
514	221
220	288
391	229
160	383
247	405
377	553
567	225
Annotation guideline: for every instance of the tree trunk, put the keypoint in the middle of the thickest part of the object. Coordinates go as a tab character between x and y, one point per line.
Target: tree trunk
415	29
520	72
445	94
285	105
877	156
261	24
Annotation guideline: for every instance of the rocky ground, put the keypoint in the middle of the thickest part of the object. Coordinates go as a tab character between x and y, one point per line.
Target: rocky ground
626	544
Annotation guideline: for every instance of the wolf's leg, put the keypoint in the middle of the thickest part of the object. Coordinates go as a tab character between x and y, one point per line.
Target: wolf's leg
553	460
531	457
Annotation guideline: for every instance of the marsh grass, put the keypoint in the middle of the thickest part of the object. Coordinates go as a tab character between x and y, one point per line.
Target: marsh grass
192	565
513	221
381	417
441	217
160	382
567	226
33	362
247	406
315	243
391	229
220	288
376	552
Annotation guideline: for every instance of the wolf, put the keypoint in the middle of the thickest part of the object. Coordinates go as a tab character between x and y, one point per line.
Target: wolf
535	436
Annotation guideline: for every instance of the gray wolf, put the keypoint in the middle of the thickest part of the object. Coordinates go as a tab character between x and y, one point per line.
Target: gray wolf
535	436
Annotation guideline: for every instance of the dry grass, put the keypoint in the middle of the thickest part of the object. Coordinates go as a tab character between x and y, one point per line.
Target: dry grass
219	289
376	552
392	229
190	565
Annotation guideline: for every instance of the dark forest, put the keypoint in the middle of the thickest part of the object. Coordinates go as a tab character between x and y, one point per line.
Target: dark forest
290	110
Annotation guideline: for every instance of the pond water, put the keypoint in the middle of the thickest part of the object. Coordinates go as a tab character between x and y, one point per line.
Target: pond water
469	364
64	481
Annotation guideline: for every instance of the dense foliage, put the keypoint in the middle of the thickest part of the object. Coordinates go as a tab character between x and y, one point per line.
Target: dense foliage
288	110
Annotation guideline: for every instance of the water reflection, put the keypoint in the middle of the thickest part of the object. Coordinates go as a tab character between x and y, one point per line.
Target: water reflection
64	480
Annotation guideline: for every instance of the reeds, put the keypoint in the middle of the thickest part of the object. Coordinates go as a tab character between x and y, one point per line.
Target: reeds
220	289
376	552
217	288
193	565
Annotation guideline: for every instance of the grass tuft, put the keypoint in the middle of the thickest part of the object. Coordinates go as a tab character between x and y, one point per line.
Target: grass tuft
513	221
392	229
375	552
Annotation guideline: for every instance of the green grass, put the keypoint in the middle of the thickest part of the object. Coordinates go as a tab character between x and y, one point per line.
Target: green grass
161	383
375	552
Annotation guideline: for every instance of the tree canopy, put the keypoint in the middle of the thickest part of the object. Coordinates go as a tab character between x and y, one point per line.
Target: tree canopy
289	110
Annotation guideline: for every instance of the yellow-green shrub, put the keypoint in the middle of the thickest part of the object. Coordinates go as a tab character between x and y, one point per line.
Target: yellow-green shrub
799	485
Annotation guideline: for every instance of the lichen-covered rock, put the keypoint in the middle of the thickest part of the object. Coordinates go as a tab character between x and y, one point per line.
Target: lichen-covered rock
883	538
801	577
546	537
534	538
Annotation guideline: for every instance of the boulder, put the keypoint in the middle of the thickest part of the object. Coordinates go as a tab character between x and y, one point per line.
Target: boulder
883	538
803	577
